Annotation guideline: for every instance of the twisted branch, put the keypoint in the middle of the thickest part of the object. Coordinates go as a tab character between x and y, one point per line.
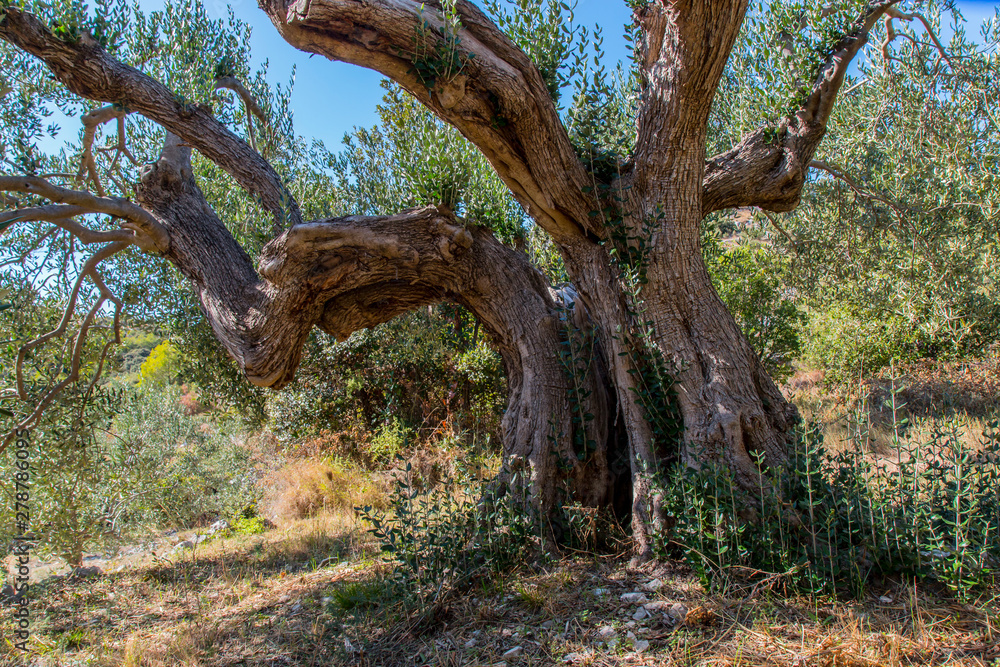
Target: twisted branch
91	121
88	70
142	228
89	270
768	167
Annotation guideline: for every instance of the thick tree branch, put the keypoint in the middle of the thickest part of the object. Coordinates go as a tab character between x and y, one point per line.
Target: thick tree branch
767	169
682	54
496	98
86	69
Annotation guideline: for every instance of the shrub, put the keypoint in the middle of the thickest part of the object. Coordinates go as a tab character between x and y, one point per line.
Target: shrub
443	539
828	523
162	366
749	279
848	345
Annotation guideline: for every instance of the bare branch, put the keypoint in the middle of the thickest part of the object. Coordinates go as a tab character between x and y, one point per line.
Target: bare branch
894	13
89	269
148	234
249	102
61	215
767	169
91	121
88	70
774	223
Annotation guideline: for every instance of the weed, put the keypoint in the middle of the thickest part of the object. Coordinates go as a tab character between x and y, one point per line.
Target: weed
826	522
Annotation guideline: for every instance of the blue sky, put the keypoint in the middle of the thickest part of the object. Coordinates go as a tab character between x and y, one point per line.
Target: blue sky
330	98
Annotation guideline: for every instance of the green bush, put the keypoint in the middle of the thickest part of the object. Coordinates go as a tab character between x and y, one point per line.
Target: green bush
830	523
849	345
443	539
162	366
417	371
749	279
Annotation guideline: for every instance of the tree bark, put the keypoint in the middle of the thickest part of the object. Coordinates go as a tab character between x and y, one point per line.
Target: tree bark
350	273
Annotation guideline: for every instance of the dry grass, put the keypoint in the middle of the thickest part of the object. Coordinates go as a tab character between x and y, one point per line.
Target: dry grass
253	599
929	396
309	594
306	488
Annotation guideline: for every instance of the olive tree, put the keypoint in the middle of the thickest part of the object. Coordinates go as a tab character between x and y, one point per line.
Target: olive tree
622	194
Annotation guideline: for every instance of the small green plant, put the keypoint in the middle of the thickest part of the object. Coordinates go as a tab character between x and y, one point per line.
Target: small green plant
356	595
388	442
829	523
448	538
162	366
437	54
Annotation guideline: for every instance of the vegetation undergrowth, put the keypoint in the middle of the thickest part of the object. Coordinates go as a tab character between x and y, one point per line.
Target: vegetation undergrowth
837	523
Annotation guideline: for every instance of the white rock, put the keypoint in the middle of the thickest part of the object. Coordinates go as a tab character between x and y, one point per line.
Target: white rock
885	599
547	625
514	652
634	598
606	632
652	586
221	524
657	606
640	614
640	645
471	643
186	544
600	591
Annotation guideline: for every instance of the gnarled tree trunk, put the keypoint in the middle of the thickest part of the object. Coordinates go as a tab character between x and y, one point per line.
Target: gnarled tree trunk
350	273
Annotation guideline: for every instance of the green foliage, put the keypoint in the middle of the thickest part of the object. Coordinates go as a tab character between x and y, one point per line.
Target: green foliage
388	442
896	251
244	525
850	345
750	279
413	159
416	372
445	539
437	53
191	471
828	523
162	366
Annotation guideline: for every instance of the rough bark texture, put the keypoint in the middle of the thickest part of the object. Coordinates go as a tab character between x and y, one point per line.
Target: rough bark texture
350	273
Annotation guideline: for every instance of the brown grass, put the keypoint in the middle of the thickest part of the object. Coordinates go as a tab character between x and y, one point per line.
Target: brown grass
305	488
270	600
